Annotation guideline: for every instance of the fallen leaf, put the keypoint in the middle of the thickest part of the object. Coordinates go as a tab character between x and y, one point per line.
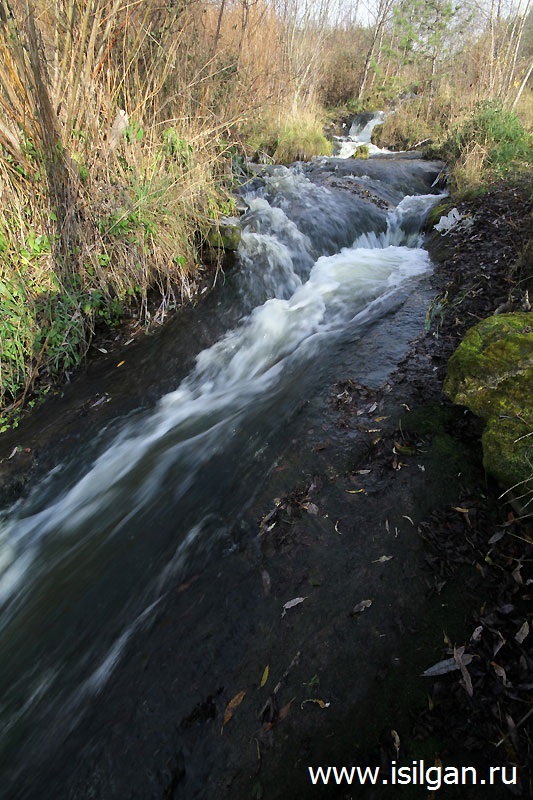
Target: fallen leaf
13	453
310	508
233	706
362	606
120	363
382	559
467	681
283	712
501	673
522	632
476	636
355	491
321	703
265	676
461	510
396	741
448	665
499	644
291	603
362	471
102	350
404	449
265	579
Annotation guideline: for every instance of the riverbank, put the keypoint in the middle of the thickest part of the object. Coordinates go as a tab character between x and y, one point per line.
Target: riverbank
390	465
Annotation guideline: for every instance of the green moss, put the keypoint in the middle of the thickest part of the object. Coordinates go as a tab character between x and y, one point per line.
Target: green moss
508	452
491	373
435	213
225	236
362	151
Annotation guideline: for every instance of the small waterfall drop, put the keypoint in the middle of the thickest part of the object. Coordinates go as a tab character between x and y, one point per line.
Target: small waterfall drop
360	134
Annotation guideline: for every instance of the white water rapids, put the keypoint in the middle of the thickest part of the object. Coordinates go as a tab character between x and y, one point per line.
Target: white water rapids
360	134
125	522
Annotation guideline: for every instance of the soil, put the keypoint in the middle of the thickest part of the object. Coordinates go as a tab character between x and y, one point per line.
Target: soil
476	592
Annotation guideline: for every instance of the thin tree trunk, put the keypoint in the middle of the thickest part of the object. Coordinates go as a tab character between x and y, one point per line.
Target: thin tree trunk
219	26
523	85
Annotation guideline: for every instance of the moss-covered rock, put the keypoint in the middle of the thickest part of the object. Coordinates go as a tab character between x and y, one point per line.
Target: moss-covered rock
491	373
225	236
508	452
362	151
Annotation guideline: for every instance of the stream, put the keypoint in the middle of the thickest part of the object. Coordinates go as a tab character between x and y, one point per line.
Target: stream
165	493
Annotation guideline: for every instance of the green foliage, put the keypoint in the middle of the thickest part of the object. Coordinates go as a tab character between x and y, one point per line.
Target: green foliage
176	147
300	140
506	146
17	328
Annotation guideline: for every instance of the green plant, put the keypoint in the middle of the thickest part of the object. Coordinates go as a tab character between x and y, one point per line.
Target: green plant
176	147
492	138
17	327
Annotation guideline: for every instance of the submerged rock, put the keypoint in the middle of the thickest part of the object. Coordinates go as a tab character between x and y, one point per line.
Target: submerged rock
491	373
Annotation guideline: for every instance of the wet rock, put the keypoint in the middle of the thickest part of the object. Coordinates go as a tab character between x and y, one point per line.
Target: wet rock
491	373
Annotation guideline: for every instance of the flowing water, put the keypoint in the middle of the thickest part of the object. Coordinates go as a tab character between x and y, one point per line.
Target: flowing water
360	134
87	557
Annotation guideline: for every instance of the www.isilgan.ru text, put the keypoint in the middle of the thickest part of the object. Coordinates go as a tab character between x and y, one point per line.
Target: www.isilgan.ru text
415	774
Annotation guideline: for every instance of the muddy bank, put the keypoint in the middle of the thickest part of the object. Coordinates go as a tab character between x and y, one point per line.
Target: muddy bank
388	464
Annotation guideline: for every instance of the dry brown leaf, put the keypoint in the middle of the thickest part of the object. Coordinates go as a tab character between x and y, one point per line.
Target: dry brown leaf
233	706
283	712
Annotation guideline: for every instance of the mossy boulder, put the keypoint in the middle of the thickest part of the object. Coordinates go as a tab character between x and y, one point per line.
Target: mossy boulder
225	236
362	151
508	452
491	373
